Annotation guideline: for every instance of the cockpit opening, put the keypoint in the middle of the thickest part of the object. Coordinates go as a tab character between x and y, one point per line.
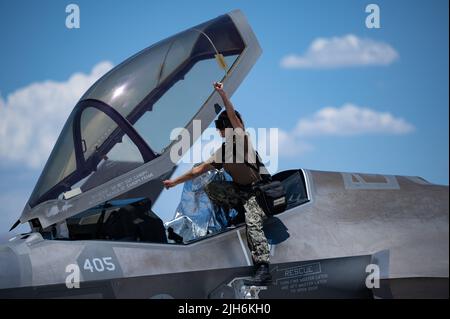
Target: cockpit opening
132	219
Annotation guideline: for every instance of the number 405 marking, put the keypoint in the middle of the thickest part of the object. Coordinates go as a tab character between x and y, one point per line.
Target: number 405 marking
99	264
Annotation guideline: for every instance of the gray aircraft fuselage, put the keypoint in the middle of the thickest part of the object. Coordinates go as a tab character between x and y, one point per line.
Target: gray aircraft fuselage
346	215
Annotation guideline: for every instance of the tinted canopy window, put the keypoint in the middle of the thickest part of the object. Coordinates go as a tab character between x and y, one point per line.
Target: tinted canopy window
180	104
139	103
61	163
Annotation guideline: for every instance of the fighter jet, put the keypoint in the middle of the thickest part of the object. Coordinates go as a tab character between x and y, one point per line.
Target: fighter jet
95	234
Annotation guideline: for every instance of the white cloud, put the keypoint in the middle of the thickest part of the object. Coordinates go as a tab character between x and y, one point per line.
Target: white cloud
348	120
32	117
351	120
345	51
290	146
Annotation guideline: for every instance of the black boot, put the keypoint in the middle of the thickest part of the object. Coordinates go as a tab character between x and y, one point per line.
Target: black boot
262	276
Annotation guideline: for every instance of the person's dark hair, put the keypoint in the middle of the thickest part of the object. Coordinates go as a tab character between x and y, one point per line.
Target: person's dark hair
223	121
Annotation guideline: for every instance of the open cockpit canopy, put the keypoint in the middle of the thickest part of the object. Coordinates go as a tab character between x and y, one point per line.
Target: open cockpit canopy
118	136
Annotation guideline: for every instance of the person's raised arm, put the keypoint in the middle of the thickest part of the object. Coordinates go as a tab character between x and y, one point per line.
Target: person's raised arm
228	106
192	173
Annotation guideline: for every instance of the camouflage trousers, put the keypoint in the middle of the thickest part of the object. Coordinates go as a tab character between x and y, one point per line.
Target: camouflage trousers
256	239
227	194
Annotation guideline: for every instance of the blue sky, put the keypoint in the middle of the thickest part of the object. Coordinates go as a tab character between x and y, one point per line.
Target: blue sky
411	84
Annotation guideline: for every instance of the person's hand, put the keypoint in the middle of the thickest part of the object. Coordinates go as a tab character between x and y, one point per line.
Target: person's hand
219	88
168	183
